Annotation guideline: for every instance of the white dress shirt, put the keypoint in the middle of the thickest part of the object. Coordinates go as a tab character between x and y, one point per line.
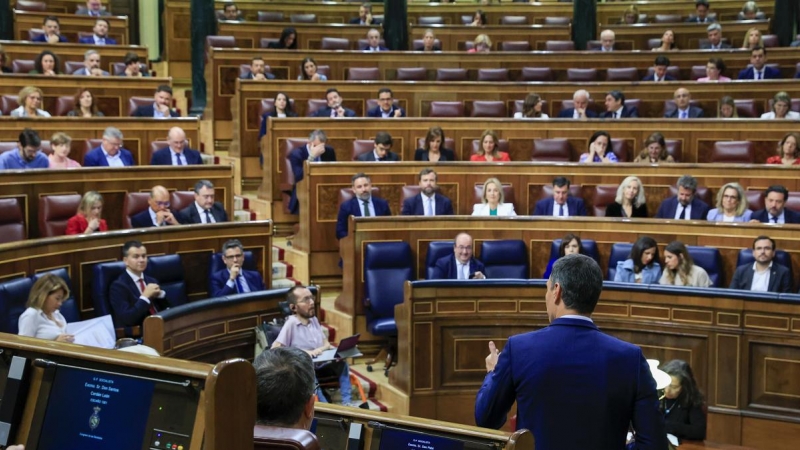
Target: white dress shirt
371	207
34	323
428	202
557	210
232	284
760	279
174	155
99	40
462	269
202	213
687	215
113	161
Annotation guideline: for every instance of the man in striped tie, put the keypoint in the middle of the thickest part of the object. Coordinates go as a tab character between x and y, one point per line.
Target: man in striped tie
134	295
234	279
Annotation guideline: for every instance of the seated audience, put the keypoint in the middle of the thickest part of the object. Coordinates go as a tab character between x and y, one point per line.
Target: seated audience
580	103
134	67
461	265
660	66
315	150
680	269
4	61
607	39
258	70
386	108
432	150
204	209
46	63
374	42
93	8
731	206
88	218
683	403
531	108
30	99
363	204
110	153
667	43
231	12
562	204
85	105
282	107
27	156
642	265
685	205
161	107
157	213
478	19
630	200
287	41
365	16
758	69
100	36
616	109
489	150
493	201
630	16
714	39
42	318
781	104
481	44
308	71
599	149
177	152
714	71
683	107
135	295
764	275
59	159
570	244
52	31
234	279
727	108
752	39
429	42
334	108
749	11
655	150
787	151
285	388
429	202
382	152
91	65
701	13
775	210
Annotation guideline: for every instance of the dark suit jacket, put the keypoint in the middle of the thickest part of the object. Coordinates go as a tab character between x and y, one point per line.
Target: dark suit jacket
352	208
668	208
127	309
567	113
602	383
148	111
96	158
615	210
414	207
695	19
667	77
789	216
446	154
263	131
219	279
779	280
722	46
297	158
249	76
694	113
357	21
380	48
142	219
189	215
376	112
575	206
83	73
163	157
770	73
627	112
43	38
326	112
370	156
90	40
446	267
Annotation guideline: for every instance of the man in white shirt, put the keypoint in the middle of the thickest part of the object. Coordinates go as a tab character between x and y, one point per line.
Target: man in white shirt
763	275
134	295
461	265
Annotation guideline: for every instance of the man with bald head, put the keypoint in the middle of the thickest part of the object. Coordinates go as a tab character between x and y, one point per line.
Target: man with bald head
157	213
607	39
580	105
177	151
684	109
461	265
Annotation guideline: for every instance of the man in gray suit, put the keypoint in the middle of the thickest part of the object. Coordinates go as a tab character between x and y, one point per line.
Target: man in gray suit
93	8
764	275
714	38
91	65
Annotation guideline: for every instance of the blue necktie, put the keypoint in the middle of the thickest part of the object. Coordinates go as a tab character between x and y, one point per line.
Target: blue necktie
180	161
560	210
239	287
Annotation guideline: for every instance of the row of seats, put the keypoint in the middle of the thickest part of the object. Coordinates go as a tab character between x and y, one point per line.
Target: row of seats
41	6
66	103
24	66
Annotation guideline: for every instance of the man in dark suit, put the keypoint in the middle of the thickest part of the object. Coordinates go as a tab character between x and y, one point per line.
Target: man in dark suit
258	70
428	202
315	151
616	109
775	199
161	107
701	8
386	108
461	265
382	152
234	279
685	205
231	12
714	38
607	41
570	372
363	204
100	36
684	109
134	295
561	205
764	275
110	153
204	209
52	31
91	65
580	103
334	108
157	213
177	153
660	70
365	16
758	69
374	42
93	8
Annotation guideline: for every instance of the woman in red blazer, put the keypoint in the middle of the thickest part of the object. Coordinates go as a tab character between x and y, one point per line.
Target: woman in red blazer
489	149
88	220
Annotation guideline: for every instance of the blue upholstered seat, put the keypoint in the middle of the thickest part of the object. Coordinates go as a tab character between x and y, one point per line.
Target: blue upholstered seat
168	270
436	250
505	259
387	266
709	259
781	257
589	247
619	252
13	296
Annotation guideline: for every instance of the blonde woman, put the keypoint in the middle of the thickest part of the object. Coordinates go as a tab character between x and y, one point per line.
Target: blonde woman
88	218
482	44
781	108
30	100
752	39
655	150
731	206
680	269
630	200
42	319
493	201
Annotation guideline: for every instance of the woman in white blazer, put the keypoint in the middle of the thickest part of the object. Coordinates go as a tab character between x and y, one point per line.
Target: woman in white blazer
493	201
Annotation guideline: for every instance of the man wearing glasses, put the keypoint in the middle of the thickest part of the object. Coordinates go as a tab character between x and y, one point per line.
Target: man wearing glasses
461	265
234	279
158	213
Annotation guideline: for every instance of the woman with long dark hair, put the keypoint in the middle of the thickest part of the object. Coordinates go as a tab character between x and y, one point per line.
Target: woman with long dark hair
642	265
570	245
682	404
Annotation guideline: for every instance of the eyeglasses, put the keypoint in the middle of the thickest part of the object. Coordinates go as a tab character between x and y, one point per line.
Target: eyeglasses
306	300
236	256
163	204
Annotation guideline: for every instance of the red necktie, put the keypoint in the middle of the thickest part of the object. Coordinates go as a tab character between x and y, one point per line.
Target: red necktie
152	309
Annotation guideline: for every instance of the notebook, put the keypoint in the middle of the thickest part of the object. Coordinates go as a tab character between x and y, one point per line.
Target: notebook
346	349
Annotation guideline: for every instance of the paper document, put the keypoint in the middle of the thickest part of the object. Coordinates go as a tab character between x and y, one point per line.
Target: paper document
672	439
97	332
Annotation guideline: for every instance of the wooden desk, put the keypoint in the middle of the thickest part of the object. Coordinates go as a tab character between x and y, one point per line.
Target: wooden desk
71	25
687	35
73	52
67	6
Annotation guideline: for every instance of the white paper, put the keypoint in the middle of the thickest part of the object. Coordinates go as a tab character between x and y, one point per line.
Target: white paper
97	332
672	439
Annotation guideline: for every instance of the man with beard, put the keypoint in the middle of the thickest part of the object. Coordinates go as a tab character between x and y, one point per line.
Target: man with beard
763	275
28	155
775	198
363	204
428	202
234	279
685	205
334	107
100	36
302	330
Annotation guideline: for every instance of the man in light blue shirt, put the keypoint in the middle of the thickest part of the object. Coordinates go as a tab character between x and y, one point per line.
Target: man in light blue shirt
27	156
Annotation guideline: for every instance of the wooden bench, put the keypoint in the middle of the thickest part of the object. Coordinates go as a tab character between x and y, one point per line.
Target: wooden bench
71	25
67	6
687	35
110	54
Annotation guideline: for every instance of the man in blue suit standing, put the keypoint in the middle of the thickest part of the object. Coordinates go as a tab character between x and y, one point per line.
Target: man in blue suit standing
561	205
428	202
758	69
386	108
315	150
571	373
685	205
461	265
234	279
363	204
100	36
110	152
177	153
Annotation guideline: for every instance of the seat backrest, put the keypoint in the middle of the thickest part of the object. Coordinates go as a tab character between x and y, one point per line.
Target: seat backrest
69	308
581	74
314	105
559	46
55	211
387	265
604	195
673	71
303	18
669	105
216	264
755	200
449	143
412	74
362	43
324	69
514	46
703	193
361	146
508	193
103	275
13	298
135	102
266	437
735	152
220	41
622	74
547	191
135	202
31	5
418	45
446	109
697	72
436	251
363	74
270	16
771	40
487	108
168	270
451	74
781	257
64	104
22	66
536	74
620	148
675	148
34	33
8	103
346	194
430	20
619	252
520	104
557	20
333	43
668	18
709	259
551	150
505	259
492	74
589	249
12	221
514	20
180	199
653	43
746	108
502	145
264	42
71	67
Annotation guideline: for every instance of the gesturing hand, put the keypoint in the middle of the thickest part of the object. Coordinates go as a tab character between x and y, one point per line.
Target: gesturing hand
491	360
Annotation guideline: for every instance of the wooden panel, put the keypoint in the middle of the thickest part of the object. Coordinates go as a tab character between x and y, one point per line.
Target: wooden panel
71	24
67	6
687	35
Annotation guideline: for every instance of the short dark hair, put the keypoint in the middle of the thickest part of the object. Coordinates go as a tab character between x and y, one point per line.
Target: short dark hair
51	19
285	382
426	171
256	58
762	238
331	90
164	88
581	282
202	184
131	58
662	60
566	240
777	188
291	296
228	5
618	95
232	243
100	19
30	138
129	245
561	182
383	138
690	396
384	90
642	244
701	3
757	48
359	175
688	182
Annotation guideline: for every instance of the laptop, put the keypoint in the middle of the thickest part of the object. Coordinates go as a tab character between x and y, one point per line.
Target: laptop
346	349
